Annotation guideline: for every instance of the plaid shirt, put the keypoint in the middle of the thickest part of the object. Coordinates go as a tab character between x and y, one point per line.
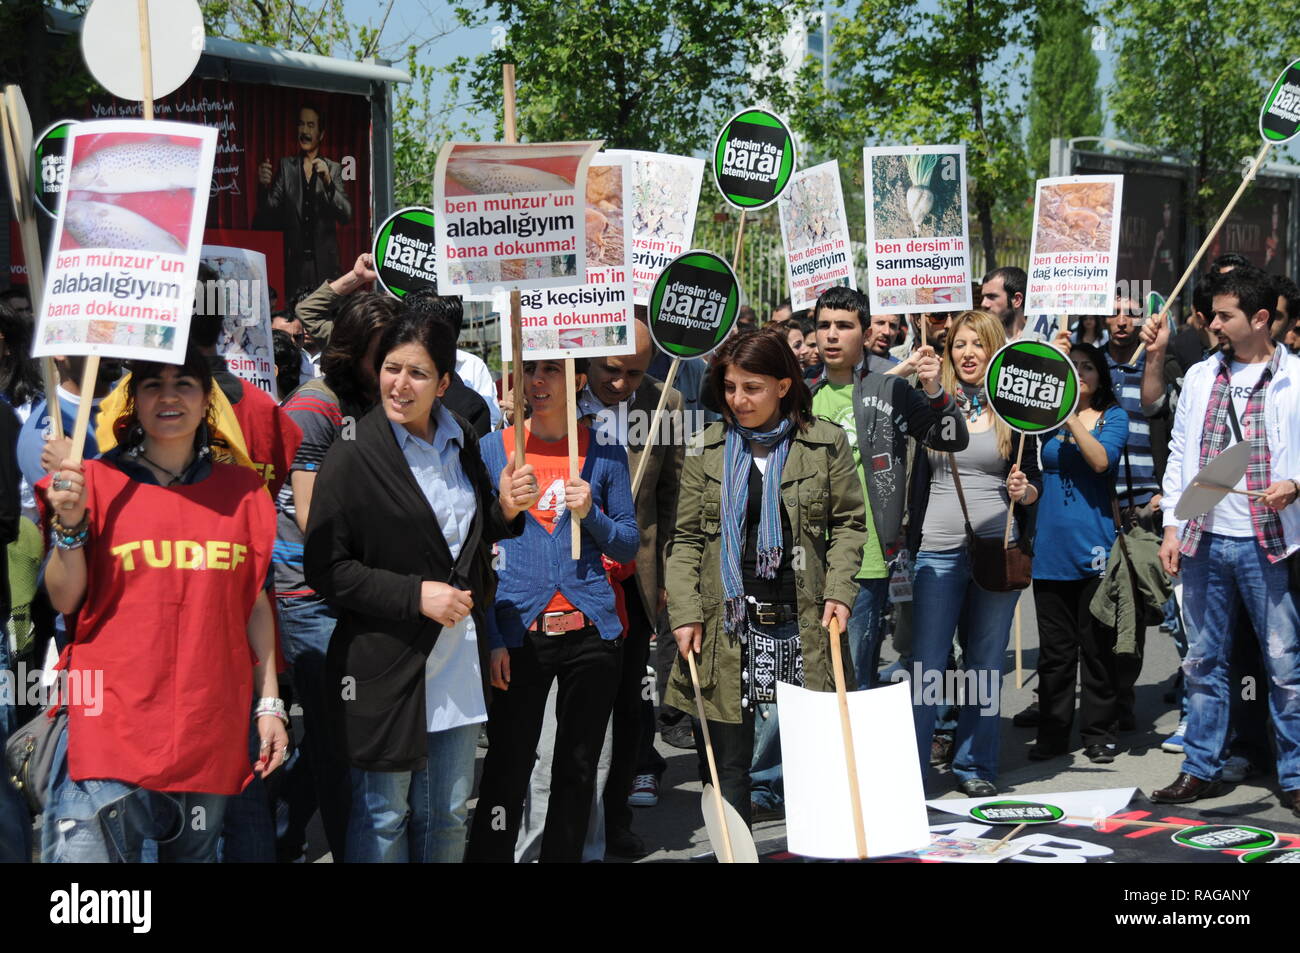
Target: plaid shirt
1216	435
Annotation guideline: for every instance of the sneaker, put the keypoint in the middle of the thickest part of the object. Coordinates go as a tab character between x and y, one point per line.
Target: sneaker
679	735
978	787
645	791
761	812
1174	743
1101	754
1237	769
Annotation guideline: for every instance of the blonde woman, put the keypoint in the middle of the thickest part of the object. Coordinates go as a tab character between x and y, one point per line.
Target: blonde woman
946	599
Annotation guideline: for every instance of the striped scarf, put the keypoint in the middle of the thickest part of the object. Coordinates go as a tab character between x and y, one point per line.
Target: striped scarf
735	500
1216	435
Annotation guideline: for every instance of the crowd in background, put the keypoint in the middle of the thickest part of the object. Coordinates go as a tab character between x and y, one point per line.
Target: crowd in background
374	552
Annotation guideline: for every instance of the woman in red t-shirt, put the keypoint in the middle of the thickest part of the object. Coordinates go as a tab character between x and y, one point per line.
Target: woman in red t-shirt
158	557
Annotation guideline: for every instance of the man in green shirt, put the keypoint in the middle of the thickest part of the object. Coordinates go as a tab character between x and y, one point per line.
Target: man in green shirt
878	412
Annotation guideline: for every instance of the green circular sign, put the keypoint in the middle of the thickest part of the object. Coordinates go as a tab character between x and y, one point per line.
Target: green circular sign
1225	837
50	166
1280	855
753	159
1032	386
404	252
694	304
1016	812
1279	120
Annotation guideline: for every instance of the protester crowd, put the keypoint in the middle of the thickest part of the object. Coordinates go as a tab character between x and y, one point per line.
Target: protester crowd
374	551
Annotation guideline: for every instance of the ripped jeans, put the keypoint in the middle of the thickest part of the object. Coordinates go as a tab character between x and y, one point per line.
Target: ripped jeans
104	821
1226	574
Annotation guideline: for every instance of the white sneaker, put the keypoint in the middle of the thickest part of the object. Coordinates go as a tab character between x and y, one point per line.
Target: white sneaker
645	791
1174	743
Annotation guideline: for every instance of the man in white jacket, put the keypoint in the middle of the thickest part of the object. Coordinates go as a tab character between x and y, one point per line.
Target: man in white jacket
1240	554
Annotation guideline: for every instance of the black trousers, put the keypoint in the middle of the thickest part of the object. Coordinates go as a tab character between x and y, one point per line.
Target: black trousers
588	669
1070	638
733	753
633	724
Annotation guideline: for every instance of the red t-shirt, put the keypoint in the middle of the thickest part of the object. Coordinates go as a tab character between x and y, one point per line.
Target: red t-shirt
270	435
550	462
172	577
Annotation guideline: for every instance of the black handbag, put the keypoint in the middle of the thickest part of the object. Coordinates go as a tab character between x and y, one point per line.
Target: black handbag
29	755
994	566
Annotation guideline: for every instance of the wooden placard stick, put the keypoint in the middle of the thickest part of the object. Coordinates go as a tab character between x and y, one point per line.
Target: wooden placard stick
1011	506
516	314
671	376
1200	252
994	848
20	188
91	372
644	460
571	412
850	757
726	855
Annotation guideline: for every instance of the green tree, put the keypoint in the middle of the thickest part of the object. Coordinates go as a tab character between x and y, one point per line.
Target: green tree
1190	79
641	74
912	71
1064	100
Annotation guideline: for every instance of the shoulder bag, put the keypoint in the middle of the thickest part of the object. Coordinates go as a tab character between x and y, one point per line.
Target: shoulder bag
993	566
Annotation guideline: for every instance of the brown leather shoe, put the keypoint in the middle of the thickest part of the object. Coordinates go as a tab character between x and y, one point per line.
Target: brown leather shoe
1186	789
1291	799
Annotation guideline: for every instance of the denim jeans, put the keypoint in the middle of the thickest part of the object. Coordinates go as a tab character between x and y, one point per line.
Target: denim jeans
105	821
15	821
306	625
865	630
766	780
249	834
1226	573
946	599
417	817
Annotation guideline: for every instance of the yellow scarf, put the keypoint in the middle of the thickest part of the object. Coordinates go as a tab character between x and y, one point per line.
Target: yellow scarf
226	437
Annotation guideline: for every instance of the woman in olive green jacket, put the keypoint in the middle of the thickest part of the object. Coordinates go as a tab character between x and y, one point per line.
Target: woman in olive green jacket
769	537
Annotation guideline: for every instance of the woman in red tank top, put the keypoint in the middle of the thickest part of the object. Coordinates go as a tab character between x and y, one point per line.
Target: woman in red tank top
158	559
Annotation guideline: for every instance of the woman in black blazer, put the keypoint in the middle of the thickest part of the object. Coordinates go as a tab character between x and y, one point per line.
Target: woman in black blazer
399	543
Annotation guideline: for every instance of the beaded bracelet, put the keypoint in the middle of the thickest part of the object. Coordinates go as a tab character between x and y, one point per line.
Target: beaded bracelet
69	537
271	706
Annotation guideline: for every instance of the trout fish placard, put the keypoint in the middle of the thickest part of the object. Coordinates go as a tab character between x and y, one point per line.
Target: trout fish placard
126	240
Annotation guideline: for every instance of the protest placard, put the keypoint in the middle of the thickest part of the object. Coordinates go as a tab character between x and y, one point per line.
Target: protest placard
819	808
403	252
595	318
918	249
241	295
50	166
1279	120
127	240
1074	252
662	204
753	159
694	304
1032	386
815	233
507	216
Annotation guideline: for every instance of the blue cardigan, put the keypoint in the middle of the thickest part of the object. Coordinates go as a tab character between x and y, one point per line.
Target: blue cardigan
536	564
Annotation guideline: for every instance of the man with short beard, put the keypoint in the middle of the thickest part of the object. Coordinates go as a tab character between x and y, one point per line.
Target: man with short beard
1002	294
1241	554
620	400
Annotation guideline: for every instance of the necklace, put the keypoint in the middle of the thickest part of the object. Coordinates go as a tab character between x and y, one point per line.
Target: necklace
969	399
175	477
